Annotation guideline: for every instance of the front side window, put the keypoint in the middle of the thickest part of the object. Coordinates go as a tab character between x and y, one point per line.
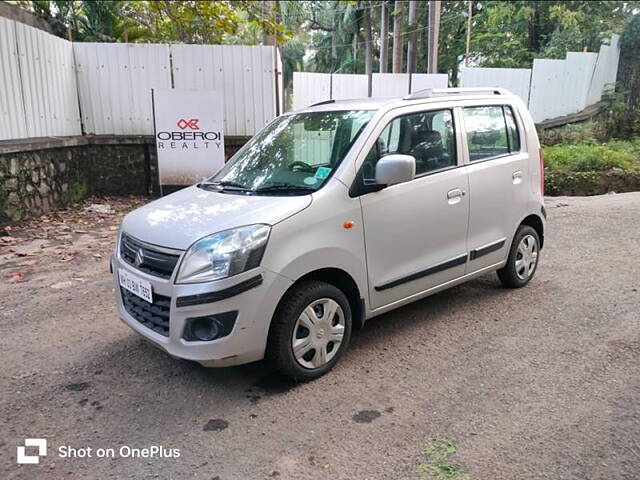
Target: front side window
427	136
294	155
491	132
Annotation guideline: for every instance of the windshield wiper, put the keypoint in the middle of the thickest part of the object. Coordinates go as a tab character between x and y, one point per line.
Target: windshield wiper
284	187
231	186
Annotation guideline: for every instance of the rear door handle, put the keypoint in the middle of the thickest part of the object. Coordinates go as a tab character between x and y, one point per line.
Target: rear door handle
517	177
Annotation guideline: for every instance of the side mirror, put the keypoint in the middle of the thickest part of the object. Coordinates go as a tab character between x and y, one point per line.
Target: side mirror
394	169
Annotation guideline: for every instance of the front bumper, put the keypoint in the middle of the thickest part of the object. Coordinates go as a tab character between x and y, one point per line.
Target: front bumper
255	306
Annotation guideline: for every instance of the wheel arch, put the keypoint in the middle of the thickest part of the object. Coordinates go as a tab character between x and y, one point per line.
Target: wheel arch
535	222
342	280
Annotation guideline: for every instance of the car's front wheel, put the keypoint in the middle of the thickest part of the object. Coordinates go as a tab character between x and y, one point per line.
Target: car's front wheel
310	330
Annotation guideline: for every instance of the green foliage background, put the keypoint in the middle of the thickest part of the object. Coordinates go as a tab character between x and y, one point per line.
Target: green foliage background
329	35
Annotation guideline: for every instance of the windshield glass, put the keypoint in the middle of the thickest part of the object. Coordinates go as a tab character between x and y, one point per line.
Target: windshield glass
294	155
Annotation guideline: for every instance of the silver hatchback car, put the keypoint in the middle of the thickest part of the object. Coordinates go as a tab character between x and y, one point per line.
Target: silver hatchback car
330	216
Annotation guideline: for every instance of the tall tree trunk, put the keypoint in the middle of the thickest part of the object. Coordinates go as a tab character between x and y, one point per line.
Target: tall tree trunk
334	45
269	9
412	45
368	52
434	33
355	53
397	37
384	38
469	23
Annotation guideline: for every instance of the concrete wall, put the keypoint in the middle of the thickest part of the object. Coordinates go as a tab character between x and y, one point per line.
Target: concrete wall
40	175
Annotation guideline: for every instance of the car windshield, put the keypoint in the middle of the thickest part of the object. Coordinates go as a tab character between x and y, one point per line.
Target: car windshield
294	155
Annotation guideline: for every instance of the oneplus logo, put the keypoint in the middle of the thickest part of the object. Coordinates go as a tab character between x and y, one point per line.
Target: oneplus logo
41	443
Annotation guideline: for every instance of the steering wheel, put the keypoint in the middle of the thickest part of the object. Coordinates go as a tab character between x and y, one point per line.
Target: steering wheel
301	166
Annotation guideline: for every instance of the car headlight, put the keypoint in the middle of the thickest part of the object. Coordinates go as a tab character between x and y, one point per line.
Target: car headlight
224	254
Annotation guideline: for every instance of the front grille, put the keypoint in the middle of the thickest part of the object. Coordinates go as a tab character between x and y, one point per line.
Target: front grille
154	316
154	262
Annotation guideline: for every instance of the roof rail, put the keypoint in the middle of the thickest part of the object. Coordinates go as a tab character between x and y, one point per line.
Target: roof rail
439	92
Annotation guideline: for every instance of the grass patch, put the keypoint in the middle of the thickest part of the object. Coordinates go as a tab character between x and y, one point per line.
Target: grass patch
591	168
436	463
593	157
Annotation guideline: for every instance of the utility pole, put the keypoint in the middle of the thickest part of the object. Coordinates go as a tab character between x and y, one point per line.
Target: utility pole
398	51
434	33
384	37
412	46
469	14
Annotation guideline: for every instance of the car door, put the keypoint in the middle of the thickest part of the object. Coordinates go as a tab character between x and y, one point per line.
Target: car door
498	181
415	232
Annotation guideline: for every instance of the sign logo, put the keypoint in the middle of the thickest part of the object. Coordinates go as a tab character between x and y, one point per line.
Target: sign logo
139	257
23	458
191	123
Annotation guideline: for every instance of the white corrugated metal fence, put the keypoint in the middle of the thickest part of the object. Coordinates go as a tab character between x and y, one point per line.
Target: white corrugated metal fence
115	82
12	118
244	74
554	88
310	88
38	95
48	83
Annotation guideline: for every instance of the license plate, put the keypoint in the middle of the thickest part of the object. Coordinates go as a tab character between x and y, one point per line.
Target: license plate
135	285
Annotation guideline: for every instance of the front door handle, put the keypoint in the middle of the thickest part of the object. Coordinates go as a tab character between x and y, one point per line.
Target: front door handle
455	195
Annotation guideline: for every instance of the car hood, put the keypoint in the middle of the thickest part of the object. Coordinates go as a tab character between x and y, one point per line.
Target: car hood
179	219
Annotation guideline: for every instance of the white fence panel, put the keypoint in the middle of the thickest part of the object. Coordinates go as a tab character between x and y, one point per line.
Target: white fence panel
422	81
606	69
49	83
579	68
310	88
389	84
12	118
115	82
345	86
244	74
516	80
551	94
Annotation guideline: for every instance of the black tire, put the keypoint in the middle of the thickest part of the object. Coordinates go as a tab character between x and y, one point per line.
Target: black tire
508	275
279	345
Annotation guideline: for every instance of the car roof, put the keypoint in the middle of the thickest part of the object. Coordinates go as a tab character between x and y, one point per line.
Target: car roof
423	96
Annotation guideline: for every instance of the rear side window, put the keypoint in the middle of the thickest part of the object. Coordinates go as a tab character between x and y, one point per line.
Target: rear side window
491	132
512	130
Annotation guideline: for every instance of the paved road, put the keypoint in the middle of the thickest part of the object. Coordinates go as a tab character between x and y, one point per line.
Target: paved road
542	382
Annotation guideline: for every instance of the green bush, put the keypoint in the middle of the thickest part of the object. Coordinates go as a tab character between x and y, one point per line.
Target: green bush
590	157
591	168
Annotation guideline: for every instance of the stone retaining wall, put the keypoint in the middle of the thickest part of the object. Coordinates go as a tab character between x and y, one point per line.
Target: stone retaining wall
39	175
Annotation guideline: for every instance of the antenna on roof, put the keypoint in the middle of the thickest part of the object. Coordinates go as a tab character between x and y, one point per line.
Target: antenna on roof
322	103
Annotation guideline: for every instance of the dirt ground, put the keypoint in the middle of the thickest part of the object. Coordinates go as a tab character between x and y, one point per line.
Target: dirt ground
541	382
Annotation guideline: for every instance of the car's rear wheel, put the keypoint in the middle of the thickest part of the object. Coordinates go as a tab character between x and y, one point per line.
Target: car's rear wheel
310	330
523	258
